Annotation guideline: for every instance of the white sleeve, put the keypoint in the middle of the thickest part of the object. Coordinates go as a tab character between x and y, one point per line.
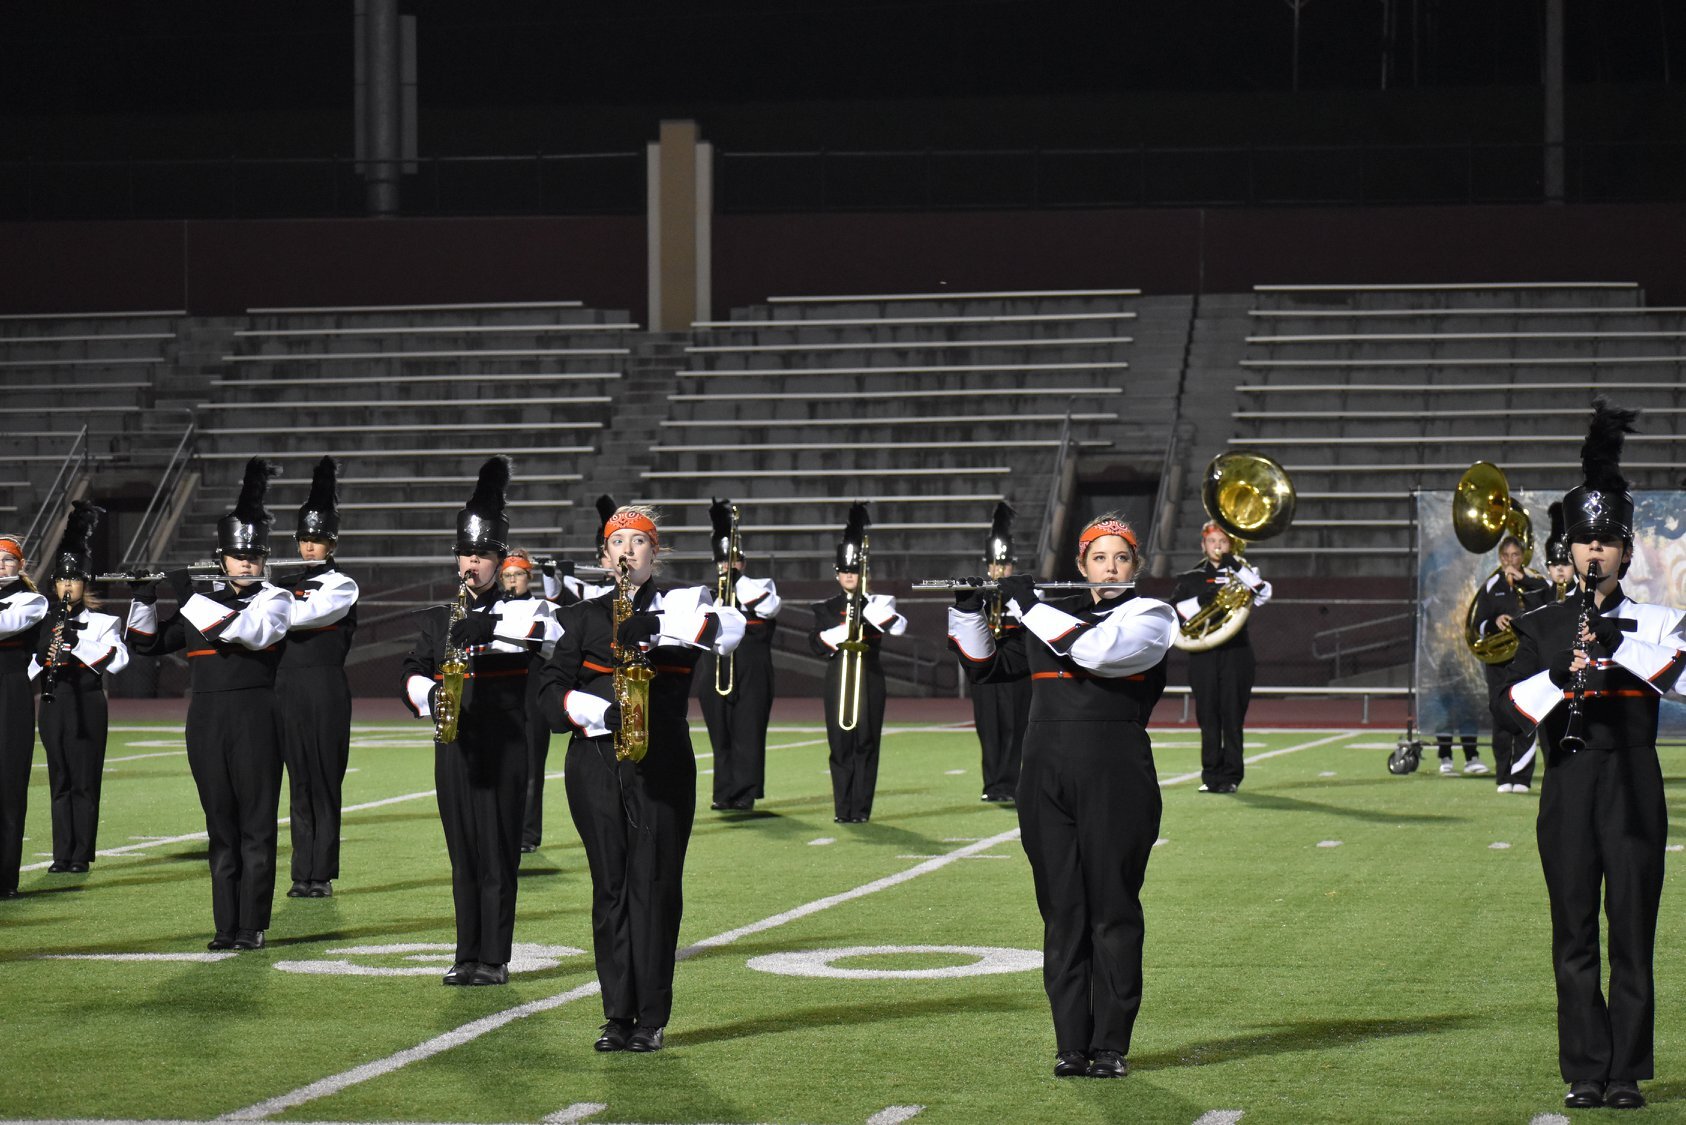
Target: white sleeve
524	625
552	586
259	623
1132	638
970	634
585	712
418	690
143	618
881	612
1261	589
834	636
326	603
684	616
1536	696
1188	607
99	645
21	612
1657	662
759	595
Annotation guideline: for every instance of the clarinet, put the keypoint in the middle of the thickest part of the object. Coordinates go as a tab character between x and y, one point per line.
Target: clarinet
50	674
1573	740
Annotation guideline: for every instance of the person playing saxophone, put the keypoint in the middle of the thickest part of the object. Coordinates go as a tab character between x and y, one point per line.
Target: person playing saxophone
481	772
633	810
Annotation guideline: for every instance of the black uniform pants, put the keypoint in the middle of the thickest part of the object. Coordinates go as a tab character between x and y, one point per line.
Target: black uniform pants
737	727
1603	825
73	731
538	754
233	751
635	822
1222	682
17	753
1507	747
314	705
1089	809
854	753
1000	712
482	784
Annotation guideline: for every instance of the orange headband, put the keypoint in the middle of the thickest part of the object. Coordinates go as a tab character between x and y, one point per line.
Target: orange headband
624	520
1210	526
1105	527
516	562
11	546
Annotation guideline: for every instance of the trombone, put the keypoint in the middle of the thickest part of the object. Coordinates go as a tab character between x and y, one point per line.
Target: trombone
851	685
726	593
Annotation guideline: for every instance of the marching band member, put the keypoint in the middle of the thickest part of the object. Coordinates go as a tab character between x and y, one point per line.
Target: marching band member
232	634
515	576
481	775
22	610
1088	797
1588	675
634	817
1560	564
311	691
1220	678
1001	708
1509	592
854	753
565	588
737	720
76	653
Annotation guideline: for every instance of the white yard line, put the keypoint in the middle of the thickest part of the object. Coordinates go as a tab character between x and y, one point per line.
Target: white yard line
1182	777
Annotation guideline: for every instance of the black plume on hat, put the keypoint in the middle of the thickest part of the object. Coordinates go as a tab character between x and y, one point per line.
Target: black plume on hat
999	549
1601	506
246	528
721	521
606	507
851	547
319	516
1557	543
482	526
76	551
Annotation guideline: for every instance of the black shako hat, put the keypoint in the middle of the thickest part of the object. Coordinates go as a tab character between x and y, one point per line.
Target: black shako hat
852	546
1601	507
482	526
606	507
319	516
76	552
999	548
246	528
722	519
1557	543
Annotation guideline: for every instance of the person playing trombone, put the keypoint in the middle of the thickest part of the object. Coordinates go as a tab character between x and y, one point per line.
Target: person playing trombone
1088	796
848	629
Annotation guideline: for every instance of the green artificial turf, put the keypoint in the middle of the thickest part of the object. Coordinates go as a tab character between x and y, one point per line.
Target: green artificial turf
1332	944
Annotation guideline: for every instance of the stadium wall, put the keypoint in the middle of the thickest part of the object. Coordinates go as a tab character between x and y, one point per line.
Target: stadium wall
219	268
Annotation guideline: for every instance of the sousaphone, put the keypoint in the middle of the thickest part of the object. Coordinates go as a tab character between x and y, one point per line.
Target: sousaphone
1483	513
1251	498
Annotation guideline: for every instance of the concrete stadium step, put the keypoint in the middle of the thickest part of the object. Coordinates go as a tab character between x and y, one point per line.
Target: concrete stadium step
1602	294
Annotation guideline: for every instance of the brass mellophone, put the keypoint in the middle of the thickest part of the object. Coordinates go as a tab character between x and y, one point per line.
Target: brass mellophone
953	584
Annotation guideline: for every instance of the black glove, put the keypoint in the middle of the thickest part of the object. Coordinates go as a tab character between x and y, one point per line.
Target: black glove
1205	596
1559	668
69	631
474	629
1607	631
1229	562
561	568
1019	588
968	598
612	718
638	627
146	593
180	583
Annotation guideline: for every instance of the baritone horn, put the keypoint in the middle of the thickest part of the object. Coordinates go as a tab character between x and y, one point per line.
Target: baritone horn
1251	498
1483	513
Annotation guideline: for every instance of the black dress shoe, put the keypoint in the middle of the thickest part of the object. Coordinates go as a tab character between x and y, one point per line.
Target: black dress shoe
299	889
644	1039
248	939
529	849
321	888
220	941
11	892
717	806
489	974
1584	1095
1623	1095
614	1036
76	868
459	973
57	868
1109	1064
1071	1064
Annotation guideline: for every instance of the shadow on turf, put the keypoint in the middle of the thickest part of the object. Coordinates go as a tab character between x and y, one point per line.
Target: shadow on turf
805	1019
1307	1035
1373	816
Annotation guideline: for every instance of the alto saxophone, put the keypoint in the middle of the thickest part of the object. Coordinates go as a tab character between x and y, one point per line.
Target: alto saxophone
453	669
631	678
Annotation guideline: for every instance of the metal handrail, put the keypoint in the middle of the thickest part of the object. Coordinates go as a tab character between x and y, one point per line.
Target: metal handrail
167	482
1045	540
58	492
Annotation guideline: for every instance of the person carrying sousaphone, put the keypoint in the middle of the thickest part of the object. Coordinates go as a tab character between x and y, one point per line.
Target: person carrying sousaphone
633	804
1589	675
480	769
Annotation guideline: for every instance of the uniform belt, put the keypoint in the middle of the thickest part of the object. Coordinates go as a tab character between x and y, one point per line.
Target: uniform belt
201	652
674	669
593	666
1625	693
1062	674
495	674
